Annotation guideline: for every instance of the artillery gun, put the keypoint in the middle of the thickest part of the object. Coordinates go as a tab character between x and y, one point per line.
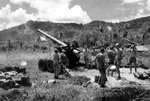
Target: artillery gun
71	51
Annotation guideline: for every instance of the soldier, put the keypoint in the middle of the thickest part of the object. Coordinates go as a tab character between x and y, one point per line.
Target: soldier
63	59
118	58
86	57
100	62
64	62
125	34
111	58
111	55
133	58
56	64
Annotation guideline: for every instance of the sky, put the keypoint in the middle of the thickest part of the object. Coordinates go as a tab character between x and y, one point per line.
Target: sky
16	12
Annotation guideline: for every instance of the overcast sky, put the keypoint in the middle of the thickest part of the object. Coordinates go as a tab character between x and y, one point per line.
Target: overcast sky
15	12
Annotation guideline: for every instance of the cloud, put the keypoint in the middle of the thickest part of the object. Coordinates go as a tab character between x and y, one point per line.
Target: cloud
47	10
140	13
56	10
147	7
145	4
137	14
132	1
113	20
10	18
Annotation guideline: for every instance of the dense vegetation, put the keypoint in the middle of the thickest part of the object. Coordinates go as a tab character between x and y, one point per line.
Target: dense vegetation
95	33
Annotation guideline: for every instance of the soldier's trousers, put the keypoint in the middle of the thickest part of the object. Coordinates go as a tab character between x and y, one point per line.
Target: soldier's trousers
103	78
57	69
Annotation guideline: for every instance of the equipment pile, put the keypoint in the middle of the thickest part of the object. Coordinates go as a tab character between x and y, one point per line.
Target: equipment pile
80	80
142	75
13	77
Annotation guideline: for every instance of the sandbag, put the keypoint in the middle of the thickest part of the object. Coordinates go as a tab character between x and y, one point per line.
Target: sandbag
24	81
148	73
21	70
141	76
136	75
145	76
7	84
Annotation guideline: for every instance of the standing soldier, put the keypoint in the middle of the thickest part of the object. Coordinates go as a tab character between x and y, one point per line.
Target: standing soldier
111	58
56	64
100	62
111	55
133	58
118	58
125	34
86	57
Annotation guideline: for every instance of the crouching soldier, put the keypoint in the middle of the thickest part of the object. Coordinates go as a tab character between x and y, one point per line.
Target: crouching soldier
63	59
64	62
100	62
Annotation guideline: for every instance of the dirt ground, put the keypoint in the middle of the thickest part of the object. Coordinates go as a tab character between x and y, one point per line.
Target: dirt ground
112	82
39	78
15	58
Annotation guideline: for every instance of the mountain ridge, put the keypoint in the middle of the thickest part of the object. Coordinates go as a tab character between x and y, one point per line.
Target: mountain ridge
70	31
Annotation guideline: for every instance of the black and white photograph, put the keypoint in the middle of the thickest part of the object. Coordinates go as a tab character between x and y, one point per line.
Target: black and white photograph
74	50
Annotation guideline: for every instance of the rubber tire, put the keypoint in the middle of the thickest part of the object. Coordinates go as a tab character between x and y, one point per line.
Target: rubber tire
49	66
41	65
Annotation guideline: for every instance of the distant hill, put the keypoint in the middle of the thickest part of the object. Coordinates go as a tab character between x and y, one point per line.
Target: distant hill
93	33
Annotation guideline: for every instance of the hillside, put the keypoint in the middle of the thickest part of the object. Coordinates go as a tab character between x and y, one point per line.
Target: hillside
94	33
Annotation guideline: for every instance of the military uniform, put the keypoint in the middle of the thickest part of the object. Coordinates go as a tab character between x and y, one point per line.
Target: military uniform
64	60
56	65
100	62
86	58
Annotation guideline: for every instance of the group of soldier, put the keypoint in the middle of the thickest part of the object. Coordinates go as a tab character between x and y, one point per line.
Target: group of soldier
114	55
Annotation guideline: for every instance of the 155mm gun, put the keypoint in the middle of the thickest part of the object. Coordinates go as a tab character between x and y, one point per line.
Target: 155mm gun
71	51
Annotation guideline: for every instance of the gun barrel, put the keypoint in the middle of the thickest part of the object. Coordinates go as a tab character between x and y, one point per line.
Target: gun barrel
53	38
131	41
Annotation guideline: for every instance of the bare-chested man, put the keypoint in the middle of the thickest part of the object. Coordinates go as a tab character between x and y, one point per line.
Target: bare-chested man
100	62
132	59
111	55
111	58
118	58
